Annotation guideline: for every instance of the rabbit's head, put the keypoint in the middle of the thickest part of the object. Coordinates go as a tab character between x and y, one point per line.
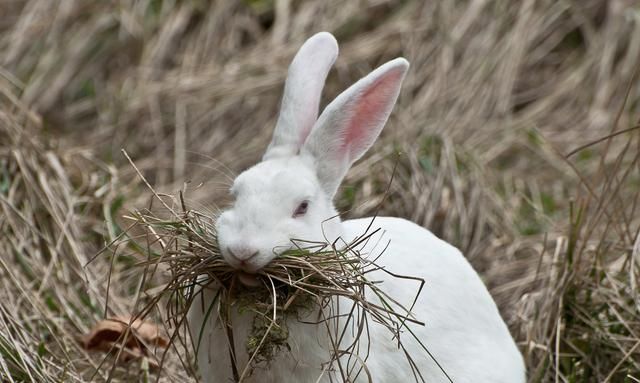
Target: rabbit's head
289	194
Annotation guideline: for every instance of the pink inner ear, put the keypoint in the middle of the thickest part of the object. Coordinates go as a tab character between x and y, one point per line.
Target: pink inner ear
372	105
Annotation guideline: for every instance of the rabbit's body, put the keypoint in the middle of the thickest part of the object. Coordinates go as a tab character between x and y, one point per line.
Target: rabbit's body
463	332
289	196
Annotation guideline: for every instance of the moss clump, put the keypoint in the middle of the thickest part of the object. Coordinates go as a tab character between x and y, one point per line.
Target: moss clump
267	338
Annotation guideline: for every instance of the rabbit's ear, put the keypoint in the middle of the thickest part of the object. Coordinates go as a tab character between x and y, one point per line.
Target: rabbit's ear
302	90
351	123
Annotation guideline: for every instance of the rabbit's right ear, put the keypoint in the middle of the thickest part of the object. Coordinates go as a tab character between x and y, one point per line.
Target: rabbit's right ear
302	90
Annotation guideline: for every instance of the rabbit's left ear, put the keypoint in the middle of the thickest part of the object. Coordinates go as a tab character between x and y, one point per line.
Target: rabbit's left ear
351	123
302	90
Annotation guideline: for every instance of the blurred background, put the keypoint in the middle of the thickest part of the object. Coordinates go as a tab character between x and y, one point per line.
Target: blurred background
498	97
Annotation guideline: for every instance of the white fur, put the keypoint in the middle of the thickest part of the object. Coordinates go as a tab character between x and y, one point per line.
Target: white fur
464	331
302	92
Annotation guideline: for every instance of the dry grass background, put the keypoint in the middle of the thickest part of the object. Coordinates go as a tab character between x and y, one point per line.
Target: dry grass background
498	93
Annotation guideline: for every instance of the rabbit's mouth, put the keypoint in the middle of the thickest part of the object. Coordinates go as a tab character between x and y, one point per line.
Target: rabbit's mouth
248	279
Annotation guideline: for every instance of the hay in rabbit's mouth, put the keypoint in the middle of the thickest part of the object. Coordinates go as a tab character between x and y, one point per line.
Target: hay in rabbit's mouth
298	282
181	244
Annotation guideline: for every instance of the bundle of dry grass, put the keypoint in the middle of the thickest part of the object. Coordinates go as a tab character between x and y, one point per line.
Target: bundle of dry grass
310	278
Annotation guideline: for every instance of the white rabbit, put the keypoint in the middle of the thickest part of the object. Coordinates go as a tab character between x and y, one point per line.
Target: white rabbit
289	195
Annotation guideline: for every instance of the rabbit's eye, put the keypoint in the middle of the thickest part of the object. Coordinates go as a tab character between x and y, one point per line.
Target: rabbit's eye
301	209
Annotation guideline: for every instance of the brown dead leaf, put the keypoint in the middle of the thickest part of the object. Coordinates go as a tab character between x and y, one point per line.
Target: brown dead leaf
110	335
